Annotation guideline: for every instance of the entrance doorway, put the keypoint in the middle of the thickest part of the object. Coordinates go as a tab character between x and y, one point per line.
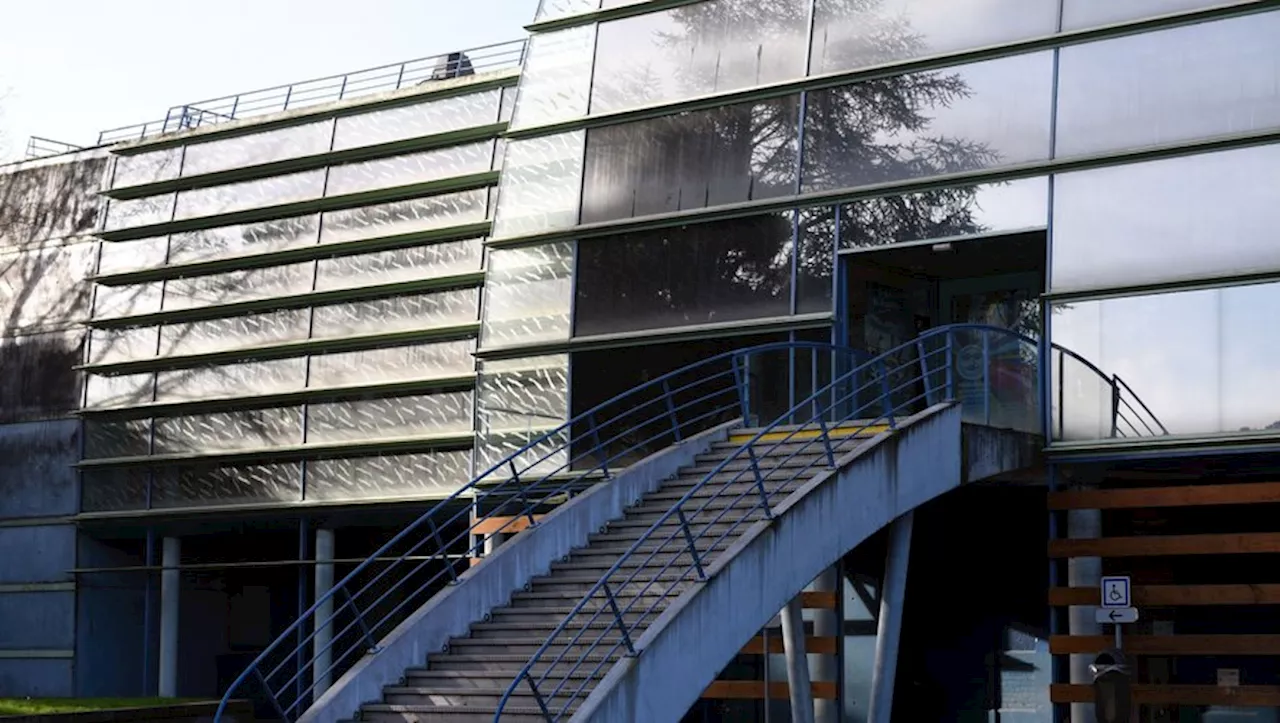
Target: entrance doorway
893	293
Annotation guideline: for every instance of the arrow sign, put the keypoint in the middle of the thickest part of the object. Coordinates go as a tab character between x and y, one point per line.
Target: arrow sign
1116	616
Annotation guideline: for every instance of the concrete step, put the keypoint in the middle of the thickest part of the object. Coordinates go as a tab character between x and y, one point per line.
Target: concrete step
708	463
383	713
589	621
779	447
483	698
547	618
484	679
603	643
508	664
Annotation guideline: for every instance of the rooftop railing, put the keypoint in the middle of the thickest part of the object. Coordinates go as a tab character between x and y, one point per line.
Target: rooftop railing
281	98
38	147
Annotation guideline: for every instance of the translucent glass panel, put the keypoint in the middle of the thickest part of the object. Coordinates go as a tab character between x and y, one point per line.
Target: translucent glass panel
404	217
391	418
988	208
115	301
541	184
556	79
140	211
1176	85
244	239
393	364
229	431
258	148
1195	217
983	115
697	49
430	474
195	485
116	438
414	121
852	34
402	313
715	272
1078	14
399	265
232	197
113	490
517	400
528	292
216	335
708	158
412	168
238	286
121	256
150	167
231	380
108	346
40	289
118	391
1202	361
552	9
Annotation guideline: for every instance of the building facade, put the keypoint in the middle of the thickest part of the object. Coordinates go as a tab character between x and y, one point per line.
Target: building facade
283	336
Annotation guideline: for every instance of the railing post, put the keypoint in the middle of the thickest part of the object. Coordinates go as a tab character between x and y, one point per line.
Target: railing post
435	533
617	617
271	694
235	105
826	442
986	377
924	374
342	90
739	377
537	696
595	435
364	627
288	94
693	549
951	382
671	408
522	494
1062	393
1115	408
764	495
886	394
400	76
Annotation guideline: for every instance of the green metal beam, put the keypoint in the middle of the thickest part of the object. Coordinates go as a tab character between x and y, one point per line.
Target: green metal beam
459	382
310	162
298	208
285	349
300	253
293	301
298	452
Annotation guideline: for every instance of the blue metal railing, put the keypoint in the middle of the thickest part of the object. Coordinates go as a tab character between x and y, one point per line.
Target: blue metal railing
349	620
325	90
990	371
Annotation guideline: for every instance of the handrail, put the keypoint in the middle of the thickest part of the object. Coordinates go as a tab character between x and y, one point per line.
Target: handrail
870	394
364	605
324	90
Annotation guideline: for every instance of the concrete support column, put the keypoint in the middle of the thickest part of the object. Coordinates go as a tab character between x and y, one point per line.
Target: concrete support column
170	584
1083	572
827	624
322	652
893	594
493	542
793	643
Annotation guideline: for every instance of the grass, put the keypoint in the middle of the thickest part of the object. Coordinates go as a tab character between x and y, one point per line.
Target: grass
41	706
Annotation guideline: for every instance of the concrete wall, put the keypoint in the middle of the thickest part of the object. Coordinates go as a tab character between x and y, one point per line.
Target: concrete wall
48	208
110	624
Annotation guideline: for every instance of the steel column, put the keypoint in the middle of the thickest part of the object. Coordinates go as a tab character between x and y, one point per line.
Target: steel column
170	584
889	629
322	655
797	661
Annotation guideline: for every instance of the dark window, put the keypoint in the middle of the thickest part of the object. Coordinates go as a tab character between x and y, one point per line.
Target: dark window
695	160
716	272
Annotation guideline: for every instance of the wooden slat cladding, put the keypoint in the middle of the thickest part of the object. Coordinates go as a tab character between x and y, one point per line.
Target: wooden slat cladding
1244	695
1176	645
813	645
1247	493
756	689
1174	595
1157	545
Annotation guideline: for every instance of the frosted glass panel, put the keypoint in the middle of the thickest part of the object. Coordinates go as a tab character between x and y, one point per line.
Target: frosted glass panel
257	148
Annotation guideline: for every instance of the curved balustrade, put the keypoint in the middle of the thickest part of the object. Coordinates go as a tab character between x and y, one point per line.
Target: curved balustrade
434	550
992	372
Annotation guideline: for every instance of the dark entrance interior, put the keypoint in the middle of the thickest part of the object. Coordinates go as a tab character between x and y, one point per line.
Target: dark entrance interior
893	293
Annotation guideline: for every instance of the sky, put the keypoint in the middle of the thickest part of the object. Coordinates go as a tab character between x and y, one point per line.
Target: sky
71	68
